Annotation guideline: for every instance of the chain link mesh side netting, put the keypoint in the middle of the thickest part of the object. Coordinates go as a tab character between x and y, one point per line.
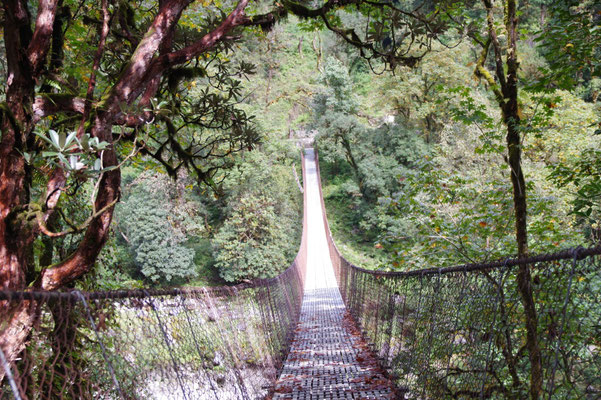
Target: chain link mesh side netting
460	333
195	343
222	343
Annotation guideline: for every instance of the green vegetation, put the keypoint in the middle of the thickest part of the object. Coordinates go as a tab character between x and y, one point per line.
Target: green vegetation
173	232
447	133
413	157
149	143
429	185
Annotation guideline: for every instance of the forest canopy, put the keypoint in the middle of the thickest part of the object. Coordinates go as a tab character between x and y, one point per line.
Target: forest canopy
144	131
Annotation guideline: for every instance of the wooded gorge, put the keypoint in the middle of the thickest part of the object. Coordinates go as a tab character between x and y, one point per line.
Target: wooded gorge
152	144
427	118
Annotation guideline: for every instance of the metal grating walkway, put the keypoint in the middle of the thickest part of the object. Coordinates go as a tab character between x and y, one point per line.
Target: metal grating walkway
328	358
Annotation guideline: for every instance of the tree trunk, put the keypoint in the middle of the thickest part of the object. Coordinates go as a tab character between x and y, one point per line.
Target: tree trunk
18	319
519	188
27	59
16	126
524	279
16	233
505	89
316	43
351	159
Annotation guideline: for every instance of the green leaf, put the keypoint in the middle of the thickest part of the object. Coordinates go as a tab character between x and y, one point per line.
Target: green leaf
73	161
63	159
55	139
45	138
85	142
70	138
62	139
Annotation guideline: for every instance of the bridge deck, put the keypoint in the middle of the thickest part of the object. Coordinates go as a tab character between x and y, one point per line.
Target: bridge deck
328	358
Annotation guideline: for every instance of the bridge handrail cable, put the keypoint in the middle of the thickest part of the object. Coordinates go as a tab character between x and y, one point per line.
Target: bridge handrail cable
226	342
458	332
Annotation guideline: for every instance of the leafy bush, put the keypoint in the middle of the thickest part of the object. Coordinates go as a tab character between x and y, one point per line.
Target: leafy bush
155	222
259	236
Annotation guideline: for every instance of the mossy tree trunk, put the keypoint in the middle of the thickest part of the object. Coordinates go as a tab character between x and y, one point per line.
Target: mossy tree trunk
505	88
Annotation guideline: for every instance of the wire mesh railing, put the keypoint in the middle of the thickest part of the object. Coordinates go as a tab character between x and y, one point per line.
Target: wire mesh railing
452	333
222	343
189	343
460	332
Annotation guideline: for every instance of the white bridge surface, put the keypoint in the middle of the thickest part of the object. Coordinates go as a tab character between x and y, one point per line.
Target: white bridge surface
327	360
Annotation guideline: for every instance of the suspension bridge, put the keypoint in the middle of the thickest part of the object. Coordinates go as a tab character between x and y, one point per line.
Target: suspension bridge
323	329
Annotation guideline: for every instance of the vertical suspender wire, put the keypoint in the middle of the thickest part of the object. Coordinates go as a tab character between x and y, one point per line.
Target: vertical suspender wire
200	354
389	328
403	315
259	296
504	271
289	315
343	280
350	293
270	301
258	333
168	344
357	289
363	317
563	323
207	332
234	316
377	318
432	321
101	343
239	380
277	297
417	316
9	376
456	324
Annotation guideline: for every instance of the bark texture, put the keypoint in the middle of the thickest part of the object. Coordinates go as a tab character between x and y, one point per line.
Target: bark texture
34	50
505	88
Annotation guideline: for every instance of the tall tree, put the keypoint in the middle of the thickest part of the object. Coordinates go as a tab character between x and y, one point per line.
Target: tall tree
498	38
503	81
58	133
73	111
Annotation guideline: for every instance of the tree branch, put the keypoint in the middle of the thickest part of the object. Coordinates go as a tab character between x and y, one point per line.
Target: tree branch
52	104
492	34
482	72
44	229
40	42
207	42
136	73
106	18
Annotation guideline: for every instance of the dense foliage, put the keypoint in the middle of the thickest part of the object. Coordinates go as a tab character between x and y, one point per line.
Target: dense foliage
260	235
172	232
451	204
149	143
